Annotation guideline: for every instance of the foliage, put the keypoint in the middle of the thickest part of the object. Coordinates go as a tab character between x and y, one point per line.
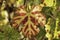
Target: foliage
8	33
51	30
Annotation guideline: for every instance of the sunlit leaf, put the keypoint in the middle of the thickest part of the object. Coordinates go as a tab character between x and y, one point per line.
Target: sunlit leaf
49	3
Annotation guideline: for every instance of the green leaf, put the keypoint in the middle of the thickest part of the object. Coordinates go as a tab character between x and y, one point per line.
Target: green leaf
9	33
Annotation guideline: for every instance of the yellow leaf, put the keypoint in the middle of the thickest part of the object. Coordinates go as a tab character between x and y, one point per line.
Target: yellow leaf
4	14
49	3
